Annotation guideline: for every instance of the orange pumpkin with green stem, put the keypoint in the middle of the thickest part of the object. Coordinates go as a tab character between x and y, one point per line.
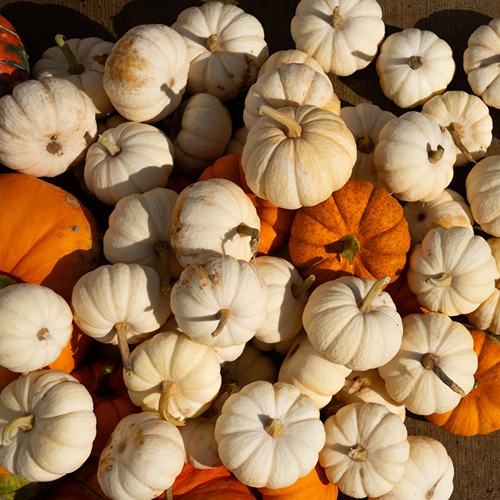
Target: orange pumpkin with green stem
359	230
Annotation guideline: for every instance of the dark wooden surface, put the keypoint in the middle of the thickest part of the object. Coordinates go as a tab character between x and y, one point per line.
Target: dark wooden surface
476	459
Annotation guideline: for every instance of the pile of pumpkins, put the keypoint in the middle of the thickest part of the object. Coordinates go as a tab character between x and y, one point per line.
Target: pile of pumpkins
261	306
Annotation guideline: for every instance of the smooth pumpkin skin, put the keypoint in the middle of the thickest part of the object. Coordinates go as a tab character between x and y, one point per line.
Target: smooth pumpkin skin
479	412
361	209
313	485
275	221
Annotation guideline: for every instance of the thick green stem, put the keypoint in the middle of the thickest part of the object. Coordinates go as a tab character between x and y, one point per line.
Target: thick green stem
245	230
74	67
301	288
430	361
292	129
365	304
6	281
274	427
163	250
112	149
349	246
24	423
223	316
357	453
122	330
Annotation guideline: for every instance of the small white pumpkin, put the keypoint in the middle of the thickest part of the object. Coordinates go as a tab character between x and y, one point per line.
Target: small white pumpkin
413	65
226	48
435	366
452	270
366	449
47	425
342	36
287	56
130	158
143	457
269	435
31	341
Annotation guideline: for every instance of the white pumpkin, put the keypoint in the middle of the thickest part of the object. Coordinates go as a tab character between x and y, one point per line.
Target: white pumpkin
287	56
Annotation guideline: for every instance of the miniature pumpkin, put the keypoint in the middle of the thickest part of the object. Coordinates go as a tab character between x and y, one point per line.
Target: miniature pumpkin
359	230
282	57
342	37
478	413
414	65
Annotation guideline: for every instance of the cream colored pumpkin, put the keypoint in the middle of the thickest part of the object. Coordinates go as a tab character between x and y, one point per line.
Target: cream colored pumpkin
47	425
237	141
139	232
174	376
226	48
234	224
468	120
342	36
482	187
452	270
130	158
143	457
365	121
414	157
480	62
413	65
146	73
292	84
287	56
81	61
366	449
34	340
269	435
220	301
310	371
428	474
46	126
435	366
353	322
297	157
447	210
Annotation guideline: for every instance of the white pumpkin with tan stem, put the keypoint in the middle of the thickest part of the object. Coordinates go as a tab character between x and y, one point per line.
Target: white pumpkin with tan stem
414	65
435	366
47	425
142	458
269	435
32	341
342	36
287	56
226	48
366	449
146	73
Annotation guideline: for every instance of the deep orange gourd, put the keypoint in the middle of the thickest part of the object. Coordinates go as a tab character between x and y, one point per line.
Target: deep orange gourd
479	412
405	300
359	230
275	222
313	485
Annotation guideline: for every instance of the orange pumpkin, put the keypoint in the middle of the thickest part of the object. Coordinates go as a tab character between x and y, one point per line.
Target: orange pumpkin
313	485
275	222
479	412
405	300
359	230
9	483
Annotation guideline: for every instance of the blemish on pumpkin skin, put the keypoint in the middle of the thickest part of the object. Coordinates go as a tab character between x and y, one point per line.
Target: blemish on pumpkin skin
72	201
54	147
75	229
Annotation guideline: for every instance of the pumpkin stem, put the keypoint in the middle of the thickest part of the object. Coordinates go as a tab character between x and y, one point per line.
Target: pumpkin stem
213	43
415	62
274	427
112	149
299	289
349	246
293	129
169	494
245	230
74	67
430	362
6	281
167	389
436	155
337	19
225	391
24	423
104	388
357	383
44	334
365	304
357	453
223	316
122	330
457	132
365	144
163	249
443	279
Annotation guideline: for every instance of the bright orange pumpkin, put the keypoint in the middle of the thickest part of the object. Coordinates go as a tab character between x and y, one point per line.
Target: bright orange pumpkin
313	485
9	483
275	222
359	230
479	412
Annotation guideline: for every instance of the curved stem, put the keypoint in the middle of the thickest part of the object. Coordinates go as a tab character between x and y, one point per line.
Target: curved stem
167	389
245	230
365	304
457	132
122	330
415	62
301	288
274	427
223	316
436	155
337	19
444	279
163	250
349	246
213	43
357	453
365	144
111	148
24	423
431	362
74	67
292	129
